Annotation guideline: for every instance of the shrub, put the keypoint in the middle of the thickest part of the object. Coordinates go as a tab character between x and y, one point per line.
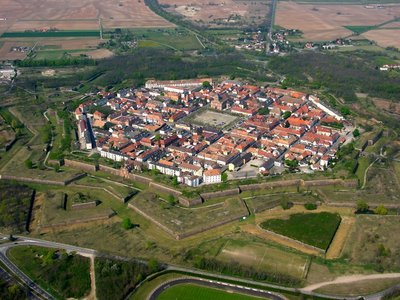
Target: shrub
310	206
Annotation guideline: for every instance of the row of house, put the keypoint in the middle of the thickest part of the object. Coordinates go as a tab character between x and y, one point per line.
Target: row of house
148	129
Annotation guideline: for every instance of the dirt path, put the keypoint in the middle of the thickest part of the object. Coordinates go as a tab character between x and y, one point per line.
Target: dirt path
366	173
92	295
336	247
349	279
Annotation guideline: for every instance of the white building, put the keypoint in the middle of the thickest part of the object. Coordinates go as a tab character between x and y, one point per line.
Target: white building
212	176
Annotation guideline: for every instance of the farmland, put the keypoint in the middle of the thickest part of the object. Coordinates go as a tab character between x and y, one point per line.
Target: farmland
193	291
29	23
220	14
313	229
329	21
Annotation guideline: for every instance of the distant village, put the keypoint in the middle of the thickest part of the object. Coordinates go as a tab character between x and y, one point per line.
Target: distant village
195	130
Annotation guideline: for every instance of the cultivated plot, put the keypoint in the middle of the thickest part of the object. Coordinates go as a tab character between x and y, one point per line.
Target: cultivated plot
319	21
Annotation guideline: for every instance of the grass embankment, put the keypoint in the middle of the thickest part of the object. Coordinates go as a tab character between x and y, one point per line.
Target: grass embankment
193	291
316	229
63	275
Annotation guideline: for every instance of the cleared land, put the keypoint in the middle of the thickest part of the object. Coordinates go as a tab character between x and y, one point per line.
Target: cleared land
193	291
358	288
220	13
264	257
384	37
213	118
316	229
321	21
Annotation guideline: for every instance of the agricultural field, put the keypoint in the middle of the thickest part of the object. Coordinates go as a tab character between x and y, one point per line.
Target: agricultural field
316	229
212	118
321	22
180	219
30	24
193	291
220	14
63	275
384	37
43	15
371	241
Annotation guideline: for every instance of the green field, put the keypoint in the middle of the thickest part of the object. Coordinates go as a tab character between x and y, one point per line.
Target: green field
196	292
66	33
63	275
315	229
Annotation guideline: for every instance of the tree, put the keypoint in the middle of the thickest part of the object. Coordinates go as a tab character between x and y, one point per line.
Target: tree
224	177
381	210
206	85
157	137
171	200
287	114
356	132
362	206
345	110
153	265
175	181
127	224
263	111
28	164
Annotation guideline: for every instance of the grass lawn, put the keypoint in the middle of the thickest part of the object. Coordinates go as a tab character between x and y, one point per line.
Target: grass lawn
315	229
63	275
146	288
196	292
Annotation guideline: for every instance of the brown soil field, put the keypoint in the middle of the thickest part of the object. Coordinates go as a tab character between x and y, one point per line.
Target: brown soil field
384	37
219	13
392	25
7	54
338	242
75	14
71	44
96	54
325	21
387	105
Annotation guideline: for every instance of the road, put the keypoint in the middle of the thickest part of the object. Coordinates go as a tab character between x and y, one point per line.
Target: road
218	285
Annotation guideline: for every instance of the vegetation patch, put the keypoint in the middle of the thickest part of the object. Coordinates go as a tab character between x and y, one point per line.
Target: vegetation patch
194	291
15	202
360	29
63	275
315	229
66	33
115	279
